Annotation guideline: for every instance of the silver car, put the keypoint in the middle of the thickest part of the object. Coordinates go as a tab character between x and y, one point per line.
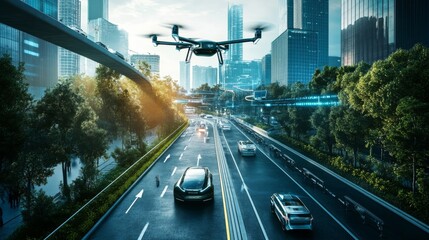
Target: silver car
291	212
246	148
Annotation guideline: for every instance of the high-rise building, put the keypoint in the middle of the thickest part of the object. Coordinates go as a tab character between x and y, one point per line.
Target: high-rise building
110	35
310	15
294	57
235	31
372	30
40	57
231	70
305	24
98	9
152	60
69	13
202	75
266	70
185	75
334	61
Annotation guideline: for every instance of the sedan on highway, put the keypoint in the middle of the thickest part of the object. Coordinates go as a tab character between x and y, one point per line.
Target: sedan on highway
246	148
291	212
195	184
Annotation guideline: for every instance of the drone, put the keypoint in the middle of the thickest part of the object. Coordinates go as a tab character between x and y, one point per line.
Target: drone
204	48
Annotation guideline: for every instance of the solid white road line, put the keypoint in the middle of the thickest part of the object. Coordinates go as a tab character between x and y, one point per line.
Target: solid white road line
166	158
174	170
143	231
163	191
198	160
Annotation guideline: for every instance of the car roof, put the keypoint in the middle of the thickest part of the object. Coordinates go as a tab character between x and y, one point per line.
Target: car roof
292	203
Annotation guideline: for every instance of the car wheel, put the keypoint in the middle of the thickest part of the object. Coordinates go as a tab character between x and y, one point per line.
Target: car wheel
272	207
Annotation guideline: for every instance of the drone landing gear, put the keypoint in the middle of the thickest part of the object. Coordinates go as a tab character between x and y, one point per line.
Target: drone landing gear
188	55
219	57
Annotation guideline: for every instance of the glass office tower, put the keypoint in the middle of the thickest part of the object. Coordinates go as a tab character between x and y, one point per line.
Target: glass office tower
371	30
69	14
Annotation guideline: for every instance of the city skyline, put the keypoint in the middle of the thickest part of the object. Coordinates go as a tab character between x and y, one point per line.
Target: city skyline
207	20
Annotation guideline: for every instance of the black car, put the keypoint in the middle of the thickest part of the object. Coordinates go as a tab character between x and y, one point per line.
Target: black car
196	184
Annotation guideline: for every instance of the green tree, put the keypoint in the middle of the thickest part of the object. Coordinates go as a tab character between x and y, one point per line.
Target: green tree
15	105
392	92
320	121
91	143
56	113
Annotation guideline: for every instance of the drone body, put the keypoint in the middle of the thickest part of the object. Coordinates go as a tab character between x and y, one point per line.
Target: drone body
205	48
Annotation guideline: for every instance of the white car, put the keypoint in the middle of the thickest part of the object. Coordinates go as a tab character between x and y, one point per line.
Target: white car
291	212
246	148
224	125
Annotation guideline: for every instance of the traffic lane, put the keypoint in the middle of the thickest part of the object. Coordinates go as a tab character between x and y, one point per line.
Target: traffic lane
158	216
262	178
395	227
192	220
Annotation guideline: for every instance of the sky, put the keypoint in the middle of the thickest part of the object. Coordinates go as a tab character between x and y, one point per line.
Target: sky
204	19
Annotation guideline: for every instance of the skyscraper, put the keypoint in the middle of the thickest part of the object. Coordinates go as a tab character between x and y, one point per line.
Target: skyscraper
185	75
303	43
98	9
40	57
266	70
235	31
69	12
372	30
231	70
294	57
101	30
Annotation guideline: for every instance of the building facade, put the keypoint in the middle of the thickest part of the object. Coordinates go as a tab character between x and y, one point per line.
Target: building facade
372	30
235	31
69	13
152	60
98	9
40	57
202	75
185	75
294	57
303	45
266	70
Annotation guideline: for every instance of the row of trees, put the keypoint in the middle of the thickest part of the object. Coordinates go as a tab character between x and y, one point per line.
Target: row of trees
384	106
77	118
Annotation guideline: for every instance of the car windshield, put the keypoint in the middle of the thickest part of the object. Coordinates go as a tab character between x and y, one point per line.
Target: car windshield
194	179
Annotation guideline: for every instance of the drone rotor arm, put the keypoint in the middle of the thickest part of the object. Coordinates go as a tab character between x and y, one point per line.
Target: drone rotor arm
236	41
179	44
188	40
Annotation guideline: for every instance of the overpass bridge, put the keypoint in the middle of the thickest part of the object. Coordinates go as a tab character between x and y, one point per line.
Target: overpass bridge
23	17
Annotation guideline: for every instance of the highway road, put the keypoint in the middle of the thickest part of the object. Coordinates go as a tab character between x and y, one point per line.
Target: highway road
243	186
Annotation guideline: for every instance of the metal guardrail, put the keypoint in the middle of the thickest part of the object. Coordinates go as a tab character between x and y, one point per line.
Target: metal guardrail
364	213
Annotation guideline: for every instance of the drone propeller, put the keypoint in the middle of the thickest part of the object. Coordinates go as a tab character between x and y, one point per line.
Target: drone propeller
171	25
150	35
260	27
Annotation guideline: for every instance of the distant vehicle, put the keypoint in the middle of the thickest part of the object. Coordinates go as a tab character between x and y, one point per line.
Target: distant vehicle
195	184
202	128
291	212
202	115
208	116
246	148
78	30
102	45
119	55
224	125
